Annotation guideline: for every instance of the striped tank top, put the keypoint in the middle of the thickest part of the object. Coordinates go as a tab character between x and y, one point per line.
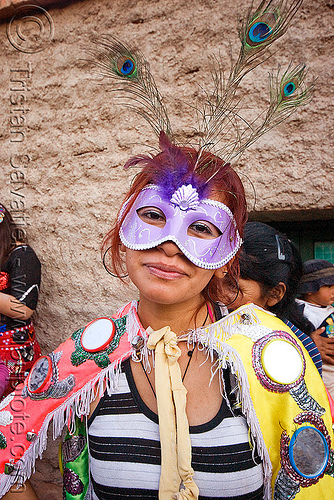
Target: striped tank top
123	436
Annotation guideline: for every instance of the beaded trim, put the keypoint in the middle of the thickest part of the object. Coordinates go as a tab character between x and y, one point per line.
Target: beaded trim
263	378
21	329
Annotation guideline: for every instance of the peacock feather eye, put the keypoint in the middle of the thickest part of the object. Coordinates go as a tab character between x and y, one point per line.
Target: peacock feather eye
261	29
289	87
259	32
126	66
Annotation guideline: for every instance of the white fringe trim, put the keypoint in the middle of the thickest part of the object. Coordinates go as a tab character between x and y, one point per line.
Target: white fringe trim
76	405
212	338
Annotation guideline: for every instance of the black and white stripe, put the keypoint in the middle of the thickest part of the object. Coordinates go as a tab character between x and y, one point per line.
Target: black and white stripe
125	451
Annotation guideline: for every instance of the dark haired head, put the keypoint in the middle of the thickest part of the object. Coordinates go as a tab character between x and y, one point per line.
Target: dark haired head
10	234
6	235
317	273
269	258
171	167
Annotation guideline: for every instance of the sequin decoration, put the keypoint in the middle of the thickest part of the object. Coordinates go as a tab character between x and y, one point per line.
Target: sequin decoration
72	483
3	441
285	487
101	357
43	381
4	280
304	399
73	447
271	373
330	468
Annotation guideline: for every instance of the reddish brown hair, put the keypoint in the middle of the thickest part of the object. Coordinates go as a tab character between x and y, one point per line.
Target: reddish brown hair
206	172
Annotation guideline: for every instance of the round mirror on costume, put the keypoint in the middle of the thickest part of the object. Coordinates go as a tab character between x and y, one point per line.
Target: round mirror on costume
278	361
308	452
97	335
282	361
40	376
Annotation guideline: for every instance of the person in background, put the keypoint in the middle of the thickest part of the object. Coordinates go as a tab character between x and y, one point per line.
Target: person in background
19	284
316	290
270	271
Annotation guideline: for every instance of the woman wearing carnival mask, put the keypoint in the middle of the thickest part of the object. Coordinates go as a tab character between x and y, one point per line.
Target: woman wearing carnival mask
180	405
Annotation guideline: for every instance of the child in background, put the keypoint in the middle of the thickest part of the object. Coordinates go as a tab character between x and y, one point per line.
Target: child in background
317	296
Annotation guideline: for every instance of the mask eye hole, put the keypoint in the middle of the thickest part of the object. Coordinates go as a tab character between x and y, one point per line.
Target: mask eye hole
152	215
204	230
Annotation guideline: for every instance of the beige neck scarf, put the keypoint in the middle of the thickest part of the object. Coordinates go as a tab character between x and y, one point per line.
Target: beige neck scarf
173	422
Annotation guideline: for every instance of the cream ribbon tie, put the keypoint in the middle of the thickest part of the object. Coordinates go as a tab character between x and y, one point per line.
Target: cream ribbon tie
175	441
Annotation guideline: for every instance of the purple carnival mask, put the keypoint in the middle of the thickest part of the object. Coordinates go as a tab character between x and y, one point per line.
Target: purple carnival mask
183	209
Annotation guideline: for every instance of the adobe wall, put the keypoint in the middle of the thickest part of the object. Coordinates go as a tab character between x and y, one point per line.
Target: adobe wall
67	169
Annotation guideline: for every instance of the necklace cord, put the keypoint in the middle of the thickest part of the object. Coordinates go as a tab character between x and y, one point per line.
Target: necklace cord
190	354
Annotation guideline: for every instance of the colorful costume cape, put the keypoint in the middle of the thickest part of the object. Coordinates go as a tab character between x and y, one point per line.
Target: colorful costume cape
281	394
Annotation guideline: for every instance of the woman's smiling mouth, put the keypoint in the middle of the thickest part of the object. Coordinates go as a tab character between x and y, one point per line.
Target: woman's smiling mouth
164	271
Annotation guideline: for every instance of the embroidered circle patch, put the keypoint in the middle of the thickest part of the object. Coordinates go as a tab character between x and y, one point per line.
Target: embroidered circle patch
97	340
97	335
278	361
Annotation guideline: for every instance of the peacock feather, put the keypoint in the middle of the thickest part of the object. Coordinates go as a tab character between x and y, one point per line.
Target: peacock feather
223	122
136	87
259	30
287	93
223	126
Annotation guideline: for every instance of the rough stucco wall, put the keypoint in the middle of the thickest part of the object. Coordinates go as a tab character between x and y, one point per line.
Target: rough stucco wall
76	138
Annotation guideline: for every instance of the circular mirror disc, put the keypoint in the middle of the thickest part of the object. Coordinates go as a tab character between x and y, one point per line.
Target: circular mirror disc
281	361
308	452
40	374
97	335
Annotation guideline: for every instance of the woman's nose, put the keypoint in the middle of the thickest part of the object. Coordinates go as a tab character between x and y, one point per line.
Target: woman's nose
170	248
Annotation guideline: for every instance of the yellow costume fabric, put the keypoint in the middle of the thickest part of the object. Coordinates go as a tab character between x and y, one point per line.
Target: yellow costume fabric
276	411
